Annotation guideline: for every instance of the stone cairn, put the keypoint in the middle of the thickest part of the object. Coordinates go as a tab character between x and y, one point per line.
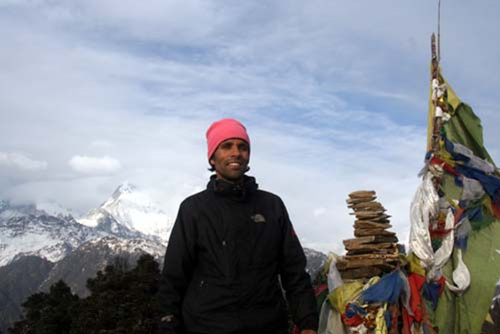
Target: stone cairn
374	250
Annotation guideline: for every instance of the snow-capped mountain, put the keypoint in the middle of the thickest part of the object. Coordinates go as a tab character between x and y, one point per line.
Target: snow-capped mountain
110	226
28	230
315	261
46	239
133	209
41	235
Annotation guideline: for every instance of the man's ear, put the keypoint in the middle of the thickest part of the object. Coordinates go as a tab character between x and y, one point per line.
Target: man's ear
212	161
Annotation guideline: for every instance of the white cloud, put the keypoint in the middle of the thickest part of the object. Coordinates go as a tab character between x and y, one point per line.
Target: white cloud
93	165
333	95
21	161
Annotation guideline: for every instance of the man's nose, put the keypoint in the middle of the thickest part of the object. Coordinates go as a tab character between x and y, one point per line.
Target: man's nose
235	151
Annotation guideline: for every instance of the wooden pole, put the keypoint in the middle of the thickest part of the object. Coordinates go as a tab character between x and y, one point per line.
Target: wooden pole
439	33
436	124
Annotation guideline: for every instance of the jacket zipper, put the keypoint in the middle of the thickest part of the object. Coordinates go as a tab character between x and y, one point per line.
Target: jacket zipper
226	258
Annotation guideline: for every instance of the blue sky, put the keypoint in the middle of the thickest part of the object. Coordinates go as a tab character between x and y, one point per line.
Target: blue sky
333	93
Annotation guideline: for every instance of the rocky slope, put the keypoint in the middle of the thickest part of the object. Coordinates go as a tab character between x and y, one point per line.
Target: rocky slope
315	261
94	255
18	280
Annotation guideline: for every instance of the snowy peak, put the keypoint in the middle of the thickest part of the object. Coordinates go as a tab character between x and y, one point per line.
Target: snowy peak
52	233
107	224
54	237
135	210
128	194
122	190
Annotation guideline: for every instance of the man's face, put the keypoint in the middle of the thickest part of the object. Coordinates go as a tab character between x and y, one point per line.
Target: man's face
230	159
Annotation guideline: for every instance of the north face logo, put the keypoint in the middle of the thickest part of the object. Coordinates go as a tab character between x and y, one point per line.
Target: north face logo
258	218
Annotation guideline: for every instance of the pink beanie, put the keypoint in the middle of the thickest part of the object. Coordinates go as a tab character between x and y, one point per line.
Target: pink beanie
225	129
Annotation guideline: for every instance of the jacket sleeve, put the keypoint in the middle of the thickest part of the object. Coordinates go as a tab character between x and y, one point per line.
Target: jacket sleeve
295	280
179	263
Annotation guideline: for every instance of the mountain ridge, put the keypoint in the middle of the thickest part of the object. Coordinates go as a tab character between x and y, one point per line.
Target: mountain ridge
74	249
127	214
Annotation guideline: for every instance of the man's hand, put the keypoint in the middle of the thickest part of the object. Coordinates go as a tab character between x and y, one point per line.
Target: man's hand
168	325
308	331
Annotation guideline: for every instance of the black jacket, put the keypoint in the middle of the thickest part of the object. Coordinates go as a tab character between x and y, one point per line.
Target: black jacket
229	245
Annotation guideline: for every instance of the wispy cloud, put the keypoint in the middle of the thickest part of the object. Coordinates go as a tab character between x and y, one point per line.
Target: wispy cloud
21	161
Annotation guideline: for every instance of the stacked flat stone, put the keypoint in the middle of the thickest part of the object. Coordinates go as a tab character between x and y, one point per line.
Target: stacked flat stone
374	250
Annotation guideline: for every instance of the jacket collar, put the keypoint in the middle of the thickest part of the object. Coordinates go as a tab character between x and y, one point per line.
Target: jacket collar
238	191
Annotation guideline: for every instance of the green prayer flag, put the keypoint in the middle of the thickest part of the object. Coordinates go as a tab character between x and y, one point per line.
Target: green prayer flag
465	128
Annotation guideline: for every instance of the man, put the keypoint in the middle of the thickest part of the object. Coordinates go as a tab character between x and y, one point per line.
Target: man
230	247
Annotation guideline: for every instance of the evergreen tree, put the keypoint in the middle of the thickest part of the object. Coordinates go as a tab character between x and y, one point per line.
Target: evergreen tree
121	301
48	313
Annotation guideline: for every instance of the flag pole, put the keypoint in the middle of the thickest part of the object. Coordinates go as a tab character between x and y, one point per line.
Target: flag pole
438	93
439	33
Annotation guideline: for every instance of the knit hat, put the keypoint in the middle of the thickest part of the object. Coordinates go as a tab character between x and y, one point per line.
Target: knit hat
224	129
